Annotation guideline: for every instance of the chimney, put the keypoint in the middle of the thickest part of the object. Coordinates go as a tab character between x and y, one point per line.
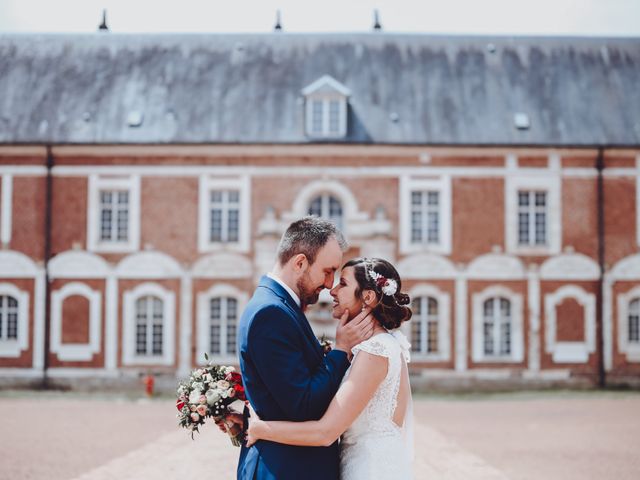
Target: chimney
278	25
376	21
103	26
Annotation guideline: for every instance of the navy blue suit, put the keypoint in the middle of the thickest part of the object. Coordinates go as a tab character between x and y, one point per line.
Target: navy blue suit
287	377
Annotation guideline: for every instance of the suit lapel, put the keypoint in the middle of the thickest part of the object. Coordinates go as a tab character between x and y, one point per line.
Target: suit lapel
295	310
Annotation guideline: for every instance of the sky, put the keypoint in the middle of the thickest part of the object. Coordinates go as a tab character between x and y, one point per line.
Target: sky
519	17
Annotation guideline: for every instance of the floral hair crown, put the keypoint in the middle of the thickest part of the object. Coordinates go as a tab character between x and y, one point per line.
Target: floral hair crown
388	286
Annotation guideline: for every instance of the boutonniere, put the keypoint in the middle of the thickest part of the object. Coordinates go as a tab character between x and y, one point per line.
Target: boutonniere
325	343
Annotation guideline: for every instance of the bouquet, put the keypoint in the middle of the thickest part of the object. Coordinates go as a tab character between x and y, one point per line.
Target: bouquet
208	393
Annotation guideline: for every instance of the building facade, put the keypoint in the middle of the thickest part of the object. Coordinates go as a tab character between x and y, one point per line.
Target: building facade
132	236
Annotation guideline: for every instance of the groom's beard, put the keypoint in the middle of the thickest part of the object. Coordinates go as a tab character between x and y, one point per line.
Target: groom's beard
308	293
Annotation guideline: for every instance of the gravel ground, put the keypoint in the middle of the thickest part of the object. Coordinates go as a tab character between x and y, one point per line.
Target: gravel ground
564	436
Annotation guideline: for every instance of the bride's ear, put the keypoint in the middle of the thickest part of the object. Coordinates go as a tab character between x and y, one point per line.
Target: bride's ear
369	298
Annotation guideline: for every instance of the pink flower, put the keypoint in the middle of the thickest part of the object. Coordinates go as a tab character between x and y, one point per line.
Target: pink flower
202	410
195	417
202	399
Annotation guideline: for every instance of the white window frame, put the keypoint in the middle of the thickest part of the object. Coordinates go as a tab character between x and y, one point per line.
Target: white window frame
206	186
570	352
517	326
203	341
6	206
326	99
441	185
97	184
14	348
638	199
129	355
325	206
631	351
549	183
444	324
77	352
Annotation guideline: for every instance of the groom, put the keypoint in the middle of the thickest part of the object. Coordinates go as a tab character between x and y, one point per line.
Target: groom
285	373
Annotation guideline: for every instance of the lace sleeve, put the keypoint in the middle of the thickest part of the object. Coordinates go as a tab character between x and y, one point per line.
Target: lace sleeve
374	346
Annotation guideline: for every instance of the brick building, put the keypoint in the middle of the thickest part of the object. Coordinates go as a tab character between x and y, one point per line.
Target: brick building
146	180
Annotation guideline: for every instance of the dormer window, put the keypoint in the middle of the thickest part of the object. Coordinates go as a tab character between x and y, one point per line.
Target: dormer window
326	108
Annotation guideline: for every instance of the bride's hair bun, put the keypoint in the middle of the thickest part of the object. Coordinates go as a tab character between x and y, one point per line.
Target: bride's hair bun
391	310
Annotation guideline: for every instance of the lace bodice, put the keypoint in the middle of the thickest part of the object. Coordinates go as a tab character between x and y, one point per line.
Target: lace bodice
378	414
374	447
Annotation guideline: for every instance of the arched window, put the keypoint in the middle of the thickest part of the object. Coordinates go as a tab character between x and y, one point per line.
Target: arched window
8	318
223	321
634	321
149	326
327	206
424	326
496	327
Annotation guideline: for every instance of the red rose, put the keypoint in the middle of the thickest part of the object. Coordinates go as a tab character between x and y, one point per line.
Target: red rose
179	404
234	377
239	392
381	281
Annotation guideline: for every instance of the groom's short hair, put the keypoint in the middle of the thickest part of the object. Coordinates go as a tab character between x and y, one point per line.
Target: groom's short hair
308	235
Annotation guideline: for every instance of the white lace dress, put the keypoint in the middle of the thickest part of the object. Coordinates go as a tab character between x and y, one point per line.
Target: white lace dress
374	447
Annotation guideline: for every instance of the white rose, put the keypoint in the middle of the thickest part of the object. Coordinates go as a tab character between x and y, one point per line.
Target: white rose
212	396
197	374
222	384
229	370
207	378
194	397
198	386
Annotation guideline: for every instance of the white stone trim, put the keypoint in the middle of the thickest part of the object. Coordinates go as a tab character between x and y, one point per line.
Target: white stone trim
549	182
496	266
444	323
517	325
461	329
17	265
632	352
222	265
150	265
570	352
206	185
186	329
533	300
13	348
202	335
39	320
325	90
111	323
607	322
78	264
129	356
194	171
443	186
570	266
76	352
131	183
357	225
326	81
627	268
638	199
426	266
6	204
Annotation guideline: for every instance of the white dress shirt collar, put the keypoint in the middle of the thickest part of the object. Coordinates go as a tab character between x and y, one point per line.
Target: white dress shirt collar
295	297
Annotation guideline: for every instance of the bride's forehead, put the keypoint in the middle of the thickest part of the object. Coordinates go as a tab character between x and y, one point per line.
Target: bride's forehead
347	273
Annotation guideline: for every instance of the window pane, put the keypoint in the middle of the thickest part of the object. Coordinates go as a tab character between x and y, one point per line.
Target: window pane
231	325
334	116
634	321
216	326
316	116
315	207
432	341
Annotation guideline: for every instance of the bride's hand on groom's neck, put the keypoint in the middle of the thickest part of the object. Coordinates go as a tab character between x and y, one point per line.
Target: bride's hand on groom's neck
351	333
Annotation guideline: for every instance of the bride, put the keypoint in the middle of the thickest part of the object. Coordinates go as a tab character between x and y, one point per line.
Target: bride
372	409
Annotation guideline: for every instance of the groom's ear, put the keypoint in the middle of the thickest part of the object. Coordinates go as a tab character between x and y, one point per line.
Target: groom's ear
300	262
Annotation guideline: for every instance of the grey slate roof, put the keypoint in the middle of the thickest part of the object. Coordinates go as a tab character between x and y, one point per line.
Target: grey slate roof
238	88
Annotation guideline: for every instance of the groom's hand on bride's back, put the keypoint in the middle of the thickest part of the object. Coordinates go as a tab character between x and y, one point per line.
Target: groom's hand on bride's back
351	333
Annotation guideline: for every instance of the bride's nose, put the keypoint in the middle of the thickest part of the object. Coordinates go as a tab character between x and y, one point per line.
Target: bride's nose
334	291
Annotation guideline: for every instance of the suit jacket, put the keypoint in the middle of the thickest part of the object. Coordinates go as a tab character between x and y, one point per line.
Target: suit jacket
286	377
